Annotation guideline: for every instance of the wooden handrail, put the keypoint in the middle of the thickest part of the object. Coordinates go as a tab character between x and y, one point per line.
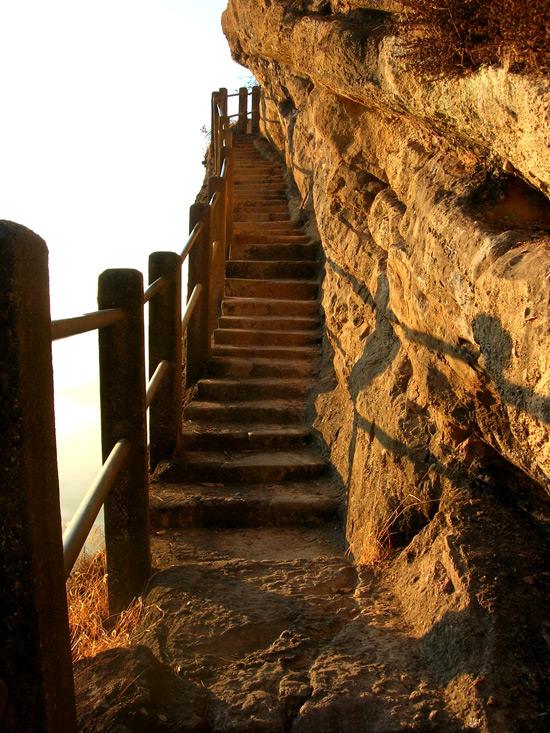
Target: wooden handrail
83	519
66	327
30	603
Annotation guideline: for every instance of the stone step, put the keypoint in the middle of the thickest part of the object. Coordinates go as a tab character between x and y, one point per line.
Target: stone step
260	411
259	177
278	289
254	337
249	216
270	323
238	436
246	209
260	199
264	206
268	236
241	367
244	390
314	542
260	185
278	251
271	269
244	185
266	352
272	226
240	505
269	307
243	466
247	163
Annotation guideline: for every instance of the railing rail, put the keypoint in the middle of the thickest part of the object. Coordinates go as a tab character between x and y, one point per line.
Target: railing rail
35	662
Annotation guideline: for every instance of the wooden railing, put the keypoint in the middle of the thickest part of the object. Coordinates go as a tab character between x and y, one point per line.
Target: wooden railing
36	682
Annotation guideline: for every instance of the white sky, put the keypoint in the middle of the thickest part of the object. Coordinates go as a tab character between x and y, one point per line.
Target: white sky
101	150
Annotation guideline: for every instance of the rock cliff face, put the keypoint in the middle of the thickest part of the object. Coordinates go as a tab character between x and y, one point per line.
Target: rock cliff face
430	200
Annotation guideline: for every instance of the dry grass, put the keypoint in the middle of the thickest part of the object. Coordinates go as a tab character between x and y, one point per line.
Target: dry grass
90	626
376	542
460	35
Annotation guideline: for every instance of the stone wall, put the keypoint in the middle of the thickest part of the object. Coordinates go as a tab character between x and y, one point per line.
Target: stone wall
429	198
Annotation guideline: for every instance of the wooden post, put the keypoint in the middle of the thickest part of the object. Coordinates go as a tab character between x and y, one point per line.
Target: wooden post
199	329
214	130
122	394
255	124
227	154
216	184
35	656
222	96
165	343
243	105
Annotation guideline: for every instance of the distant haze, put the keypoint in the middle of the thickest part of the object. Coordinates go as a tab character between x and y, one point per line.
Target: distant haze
102	149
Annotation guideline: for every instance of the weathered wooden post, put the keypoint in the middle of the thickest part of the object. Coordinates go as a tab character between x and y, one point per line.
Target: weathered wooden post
255	123
122	395
165	344
243	109
35	656
217	184
214	129
227	155
200	326
222	97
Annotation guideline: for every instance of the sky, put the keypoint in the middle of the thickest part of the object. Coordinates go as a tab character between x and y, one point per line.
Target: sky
101	149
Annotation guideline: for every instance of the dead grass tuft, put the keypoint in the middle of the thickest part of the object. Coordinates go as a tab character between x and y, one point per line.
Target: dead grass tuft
91	628
450	36
376	543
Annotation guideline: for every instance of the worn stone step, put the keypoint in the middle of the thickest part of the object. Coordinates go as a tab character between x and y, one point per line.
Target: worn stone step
198	435
244	185
279	226
243	466
259	544
266	352
250	216
270	323
259	192
235	366
260	411
231	390
265	251
261	205
271	237
247	211
269	307
261	180
239	505
253	337
260	200
250	165
271	269
286	289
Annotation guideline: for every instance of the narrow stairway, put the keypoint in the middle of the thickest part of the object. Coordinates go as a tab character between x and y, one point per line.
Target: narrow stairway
248	459
256	621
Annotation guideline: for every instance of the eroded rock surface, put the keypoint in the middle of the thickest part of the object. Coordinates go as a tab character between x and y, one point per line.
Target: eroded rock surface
436	285
430	199
265	630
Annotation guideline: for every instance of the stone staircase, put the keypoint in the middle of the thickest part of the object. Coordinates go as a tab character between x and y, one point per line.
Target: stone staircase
256	620
247	458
